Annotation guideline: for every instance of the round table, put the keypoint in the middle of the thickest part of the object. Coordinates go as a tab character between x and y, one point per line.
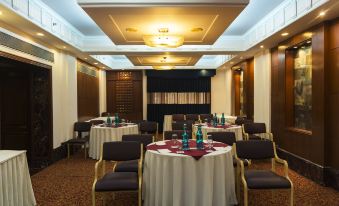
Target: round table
205	129
99	135
172	179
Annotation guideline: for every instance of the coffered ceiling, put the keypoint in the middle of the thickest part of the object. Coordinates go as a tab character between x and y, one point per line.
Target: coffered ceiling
199	25
164	60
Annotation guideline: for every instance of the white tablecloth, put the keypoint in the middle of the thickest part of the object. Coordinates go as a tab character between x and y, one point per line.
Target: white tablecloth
15	181
168	121
99	135
179	180
205	129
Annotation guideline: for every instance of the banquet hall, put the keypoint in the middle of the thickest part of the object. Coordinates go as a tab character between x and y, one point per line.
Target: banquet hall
169	102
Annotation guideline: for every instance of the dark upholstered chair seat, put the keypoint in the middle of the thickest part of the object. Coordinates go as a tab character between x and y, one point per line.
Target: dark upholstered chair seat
127	166
117	181
254	137
263	179
78	140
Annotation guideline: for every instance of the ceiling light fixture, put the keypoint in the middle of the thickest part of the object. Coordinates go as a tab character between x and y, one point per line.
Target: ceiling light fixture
40	34
322	13
168	67
85	58
285	34
64	47
0	12
197	29
164	40
95	63
262	46
130	29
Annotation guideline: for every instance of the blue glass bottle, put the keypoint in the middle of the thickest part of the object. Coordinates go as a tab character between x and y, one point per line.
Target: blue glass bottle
109	120
185	140
199	141
215	120
223	119
116	120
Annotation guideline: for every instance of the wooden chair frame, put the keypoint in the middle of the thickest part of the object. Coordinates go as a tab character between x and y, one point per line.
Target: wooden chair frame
247	136
156	132
241	175
101	165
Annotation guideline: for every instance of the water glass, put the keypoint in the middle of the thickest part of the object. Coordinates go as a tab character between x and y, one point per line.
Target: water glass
175	141
209	142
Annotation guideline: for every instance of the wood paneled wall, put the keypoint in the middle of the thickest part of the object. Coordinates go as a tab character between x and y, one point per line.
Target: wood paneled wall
124	94
88	96
247	68
332	93
306	145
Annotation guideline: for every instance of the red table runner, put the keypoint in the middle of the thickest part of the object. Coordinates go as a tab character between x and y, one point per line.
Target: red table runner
195	153
220	126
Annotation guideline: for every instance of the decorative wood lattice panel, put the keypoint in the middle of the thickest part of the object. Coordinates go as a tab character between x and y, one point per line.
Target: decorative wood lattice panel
124	95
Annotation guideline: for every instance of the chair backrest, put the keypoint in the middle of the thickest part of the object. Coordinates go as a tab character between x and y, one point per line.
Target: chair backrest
148	127
255	149
254	128
180	125
224	137
178	117
105	114
192	117
242	120
145	139
81	127
209	117
96	122
121	151
168	134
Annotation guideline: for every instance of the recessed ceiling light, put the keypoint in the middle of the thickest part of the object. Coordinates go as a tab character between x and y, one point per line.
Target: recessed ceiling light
95	63
295	47
103	67
40	34
64	47
197	29
130	29
85	58
0	12
262	46
322	13
284	34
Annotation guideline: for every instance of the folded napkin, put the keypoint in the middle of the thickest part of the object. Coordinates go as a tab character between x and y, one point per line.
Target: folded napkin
164	151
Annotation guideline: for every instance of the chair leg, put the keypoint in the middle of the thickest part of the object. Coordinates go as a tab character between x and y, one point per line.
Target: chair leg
85	152
245	196
93	198
68	151
291	196
238	183
139	198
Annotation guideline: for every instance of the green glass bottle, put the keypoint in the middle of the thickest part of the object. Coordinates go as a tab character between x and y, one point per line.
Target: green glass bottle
116	119
185	140
199	141
223	119
109	120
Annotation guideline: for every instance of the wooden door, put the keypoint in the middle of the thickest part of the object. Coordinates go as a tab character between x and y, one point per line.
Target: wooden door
15	109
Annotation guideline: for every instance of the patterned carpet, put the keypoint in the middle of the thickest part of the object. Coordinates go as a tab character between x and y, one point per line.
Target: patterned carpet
68	182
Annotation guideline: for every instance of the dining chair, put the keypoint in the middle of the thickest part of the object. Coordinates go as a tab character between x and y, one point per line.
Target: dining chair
261	179
192	117
78	139
180	125
132	165
148	127
242	120
105	114
256	131
207	117
118	181
96	122
178	117
167	135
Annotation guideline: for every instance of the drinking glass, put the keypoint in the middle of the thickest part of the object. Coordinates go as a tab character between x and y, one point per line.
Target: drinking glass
209	142
175	141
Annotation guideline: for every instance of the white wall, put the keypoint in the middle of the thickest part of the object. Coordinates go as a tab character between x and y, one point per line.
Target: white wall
221	92
262	88
64	81
102	91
